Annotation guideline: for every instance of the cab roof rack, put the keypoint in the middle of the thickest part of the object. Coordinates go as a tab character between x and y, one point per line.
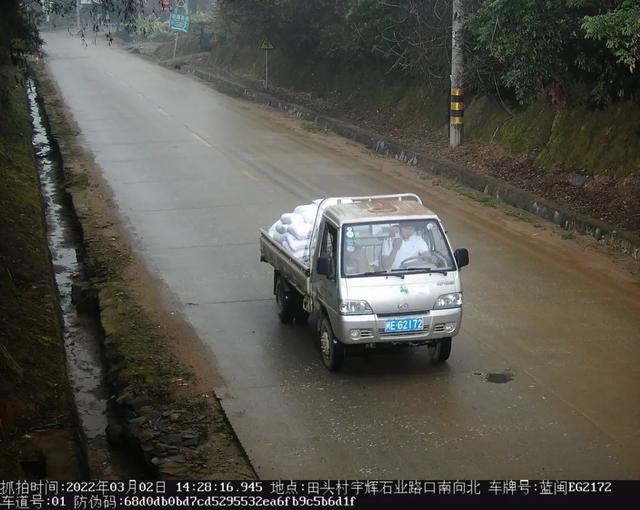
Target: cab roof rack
372	198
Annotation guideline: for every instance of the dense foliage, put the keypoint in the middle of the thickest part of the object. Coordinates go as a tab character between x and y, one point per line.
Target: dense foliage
18	28
412	36
518	48
528	45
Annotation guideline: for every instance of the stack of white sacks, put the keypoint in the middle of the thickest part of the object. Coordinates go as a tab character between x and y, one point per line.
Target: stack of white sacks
293	230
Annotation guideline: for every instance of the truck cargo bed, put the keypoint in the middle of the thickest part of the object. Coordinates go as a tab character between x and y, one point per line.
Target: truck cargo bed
294	270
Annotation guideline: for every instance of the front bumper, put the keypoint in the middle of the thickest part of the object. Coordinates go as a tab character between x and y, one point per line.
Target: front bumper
370	328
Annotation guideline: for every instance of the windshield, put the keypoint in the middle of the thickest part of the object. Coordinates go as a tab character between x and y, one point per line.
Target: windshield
398	247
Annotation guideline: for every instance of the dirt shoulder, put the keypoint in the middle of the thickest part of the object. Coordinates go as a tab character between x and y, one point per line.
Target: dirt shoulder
608	199
37	426
161	376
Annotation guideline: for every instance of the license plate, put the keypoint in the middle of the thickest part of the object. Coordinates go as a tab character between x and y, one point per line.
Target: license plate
401	325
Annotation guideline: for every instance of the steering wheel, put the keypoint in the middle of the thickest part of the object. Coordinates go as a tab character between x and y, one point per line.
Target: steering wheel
405	263
437	258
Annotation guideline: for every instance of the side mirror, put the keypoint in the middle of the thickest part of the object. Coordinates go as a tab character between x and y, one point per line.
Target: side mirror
462	257
323	266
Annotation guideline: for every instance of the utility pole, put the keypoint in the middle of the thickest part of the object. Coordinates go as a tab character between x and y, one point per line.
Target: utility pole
266	69
267	47
78	14
456	114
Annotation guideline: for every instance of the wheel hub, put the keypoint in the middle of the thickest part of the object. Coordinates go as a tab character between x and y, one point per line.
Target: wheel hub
324	344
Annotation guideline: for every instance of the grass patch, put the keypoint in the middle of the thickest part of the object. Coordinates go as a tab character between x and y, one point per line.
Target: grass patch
482	198
518	215
312	127
78	180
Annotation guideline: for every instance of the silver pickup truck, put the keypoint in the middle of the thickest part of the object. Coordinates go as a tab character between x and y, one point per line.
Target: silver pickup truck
379	269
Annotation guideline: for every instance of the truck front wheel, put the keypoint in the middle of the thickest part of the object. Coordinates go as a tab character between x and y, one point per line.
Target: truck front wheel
441	350
333	350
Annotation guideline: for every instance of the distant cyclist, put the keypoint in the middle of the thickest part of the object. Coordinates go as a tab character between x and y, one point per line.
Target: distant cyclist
82	38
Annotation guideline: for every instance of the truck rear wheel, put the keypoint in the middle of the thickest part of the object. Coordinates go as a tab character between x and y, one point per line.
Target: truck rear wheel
285	302
441	350
333	350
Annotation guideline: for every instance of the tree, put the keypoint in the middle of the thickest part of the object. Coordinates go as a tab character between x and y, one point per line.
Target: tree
527	42
619	29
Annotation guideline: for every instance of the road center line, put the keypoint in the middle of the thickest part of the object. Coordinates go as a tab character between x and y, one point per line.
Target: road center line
201	140
249	175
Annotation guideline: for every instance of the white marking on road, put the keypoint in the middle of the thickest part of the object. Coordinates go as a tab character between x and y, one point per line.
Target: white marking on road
219	245
163	112
202	140
109	74
249	175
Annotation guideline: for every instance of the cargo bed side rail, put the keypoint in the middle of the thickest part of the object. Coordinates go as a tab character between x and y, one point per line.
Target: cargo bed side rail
294	270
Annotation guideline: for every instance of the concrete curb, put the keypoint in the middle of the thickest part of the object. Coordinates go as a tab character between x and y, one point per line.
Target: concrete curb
622	241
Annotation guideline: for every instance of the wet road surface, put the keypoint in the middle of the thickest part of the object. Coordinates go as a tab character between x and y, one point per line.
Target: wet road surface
195	173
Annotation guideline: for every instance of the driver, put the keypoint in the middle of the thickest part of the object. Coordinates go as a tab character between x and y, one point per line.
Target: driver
404	244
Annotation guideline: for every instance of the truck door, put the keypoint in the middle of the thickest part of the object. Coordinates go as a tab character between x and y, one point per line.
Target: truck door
326	286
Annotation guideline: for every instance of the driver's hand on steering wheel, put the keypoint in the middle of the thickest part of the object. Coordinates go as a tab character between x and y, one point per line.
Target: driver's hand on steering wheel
428	256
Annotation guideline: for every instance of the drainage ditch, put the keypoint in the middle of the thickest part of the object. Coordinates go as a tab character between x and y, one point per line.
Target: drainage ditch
79	309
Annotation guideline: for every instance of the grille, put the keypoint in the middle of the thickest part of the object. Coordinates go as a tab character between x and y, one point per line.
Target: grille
403	314
366	333
438	328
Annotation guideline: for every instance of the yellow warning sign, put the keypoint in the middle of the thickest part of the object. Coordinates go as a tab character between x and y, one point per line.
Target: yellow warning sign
266	45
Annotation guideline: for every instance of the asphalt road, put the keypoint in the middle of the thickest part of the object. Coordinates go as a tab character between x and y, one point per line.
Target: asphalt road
195	173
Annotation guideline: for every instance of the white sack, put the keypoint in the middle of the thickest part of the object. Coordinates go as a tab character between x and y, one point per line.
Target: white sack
297	244
300	231
288	218
299	254
306	207
278	237
310	216
308	212
281	228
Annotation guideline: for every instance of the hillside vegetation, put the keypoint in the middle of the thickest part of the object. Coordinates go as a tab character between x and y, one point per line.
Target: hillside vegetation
556	80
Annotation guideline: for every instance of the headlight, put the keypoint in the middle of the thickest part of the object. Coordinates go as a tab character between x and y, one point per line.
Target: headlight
453	300
355	307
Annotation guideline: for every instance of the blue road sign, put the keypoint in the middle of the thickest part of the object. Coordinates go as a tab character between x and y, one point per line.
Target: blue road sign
178	22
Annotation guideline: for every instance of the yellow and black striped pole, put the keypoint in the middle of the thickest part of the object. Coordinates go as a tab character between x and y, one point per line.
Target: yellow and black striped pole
456	116
456	112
